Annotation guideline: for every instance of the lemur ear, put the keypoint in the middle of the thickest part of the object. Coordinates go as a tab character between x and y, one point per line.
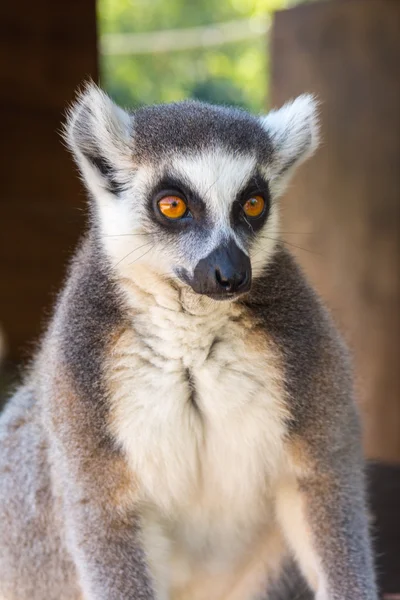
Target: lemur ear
294	133
99	134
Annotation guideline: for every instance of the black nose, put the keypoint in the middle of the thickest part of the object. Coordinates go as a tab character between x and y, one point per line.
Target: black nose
224	272
229	279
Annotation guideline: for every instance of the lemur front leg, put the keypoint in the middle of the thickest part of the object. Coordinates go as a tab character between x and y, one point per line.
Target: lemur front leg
102	528
324	519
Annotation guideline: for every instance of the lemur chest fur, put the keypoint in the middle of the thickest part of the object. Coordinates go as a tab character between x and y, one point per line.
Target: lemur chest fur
198	407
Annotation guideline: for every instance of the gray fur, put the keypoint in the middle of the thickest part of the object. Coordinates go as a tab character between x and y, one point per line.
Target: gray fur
192	126
72	517
290	585
317	367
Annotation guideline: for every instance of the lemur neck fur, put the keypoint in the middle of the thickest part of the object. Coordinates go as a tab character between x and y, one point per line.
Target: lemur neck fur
177	324
145	288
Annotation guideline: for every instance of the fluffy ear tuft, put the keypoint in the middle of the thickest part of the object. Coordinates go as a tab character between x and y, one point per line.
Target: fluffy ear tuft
294	132
99	134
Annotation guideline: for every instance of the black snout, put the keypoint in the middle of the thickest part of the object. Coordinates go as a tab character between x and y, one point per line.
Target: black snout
225	272
228	278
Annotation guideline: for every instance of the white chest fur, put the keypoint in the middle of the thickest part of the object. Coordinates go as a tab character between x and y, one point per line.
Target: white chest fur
198	408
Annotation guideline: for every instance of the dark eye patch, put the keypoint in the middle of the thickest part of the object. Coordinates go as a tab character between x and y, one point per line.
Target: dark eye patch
172	185
255	186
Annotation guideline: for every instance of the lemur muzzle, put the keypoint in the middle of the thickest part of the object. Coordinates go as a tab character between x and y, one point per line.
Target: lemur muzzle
225	272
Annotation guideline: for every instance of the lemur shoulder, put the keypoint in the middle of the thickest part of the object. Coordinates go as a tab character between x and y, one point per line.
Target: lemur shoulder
187	429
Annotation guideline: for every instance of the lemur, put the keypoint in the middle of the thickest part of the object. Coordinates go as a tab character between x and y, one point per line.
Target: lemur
187	428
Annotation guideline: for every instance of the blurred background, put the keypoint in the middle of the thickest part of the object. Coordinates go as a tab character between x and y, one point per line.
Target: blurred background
341	215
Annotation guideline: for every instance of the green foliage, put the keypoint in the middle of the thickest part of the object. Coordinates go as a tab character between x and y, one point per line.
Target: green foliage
232	73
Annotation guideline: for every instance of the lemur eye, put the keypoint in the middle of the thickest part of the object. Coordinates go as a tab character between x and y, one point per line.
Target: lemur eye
254	206
172	207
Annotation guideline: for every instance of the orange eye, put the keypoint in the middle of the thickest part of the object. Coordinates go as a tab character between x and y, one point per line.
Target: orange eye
172	207
254	206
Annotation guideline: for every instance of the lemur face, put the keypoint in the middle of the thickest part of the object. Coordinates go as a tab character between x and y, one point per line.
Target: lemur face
205	209
189	191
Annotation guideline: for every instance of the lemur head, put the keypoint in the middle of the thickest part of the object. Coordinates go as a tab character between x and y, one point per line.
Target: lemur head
188	191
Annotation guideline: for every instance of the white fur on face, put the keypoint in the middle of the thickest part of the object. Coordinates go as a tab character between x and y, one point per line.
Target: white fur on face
217	176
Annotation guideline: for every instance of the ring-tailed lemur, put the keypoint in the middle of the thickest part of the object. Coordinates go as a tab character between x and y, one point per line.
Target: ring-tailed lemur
188	424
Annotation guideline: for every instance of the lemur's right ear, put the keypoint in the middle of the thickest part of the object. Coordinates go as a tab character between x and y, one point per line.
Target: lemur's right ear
99	134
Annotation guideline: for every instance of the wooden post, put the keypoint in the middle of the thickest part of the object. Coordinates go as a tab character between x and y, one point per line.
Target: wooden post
345	204
47	48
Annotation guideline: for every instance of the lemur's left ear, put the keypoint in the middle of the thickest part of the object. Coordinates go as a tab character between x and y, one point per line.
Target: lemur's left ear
294	133
99	133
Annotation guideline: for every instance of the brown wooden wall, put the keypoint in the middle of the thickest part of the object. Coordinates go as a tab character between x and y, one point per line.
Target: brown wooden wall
345	204
47	48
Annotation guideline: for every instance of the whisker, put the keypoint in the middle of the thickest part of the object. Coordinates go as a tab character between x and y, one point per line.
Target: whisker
244	214
248	223
291	244
301	248
144	254
258	252
132	251
298	232
257	262
212	185
124	234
